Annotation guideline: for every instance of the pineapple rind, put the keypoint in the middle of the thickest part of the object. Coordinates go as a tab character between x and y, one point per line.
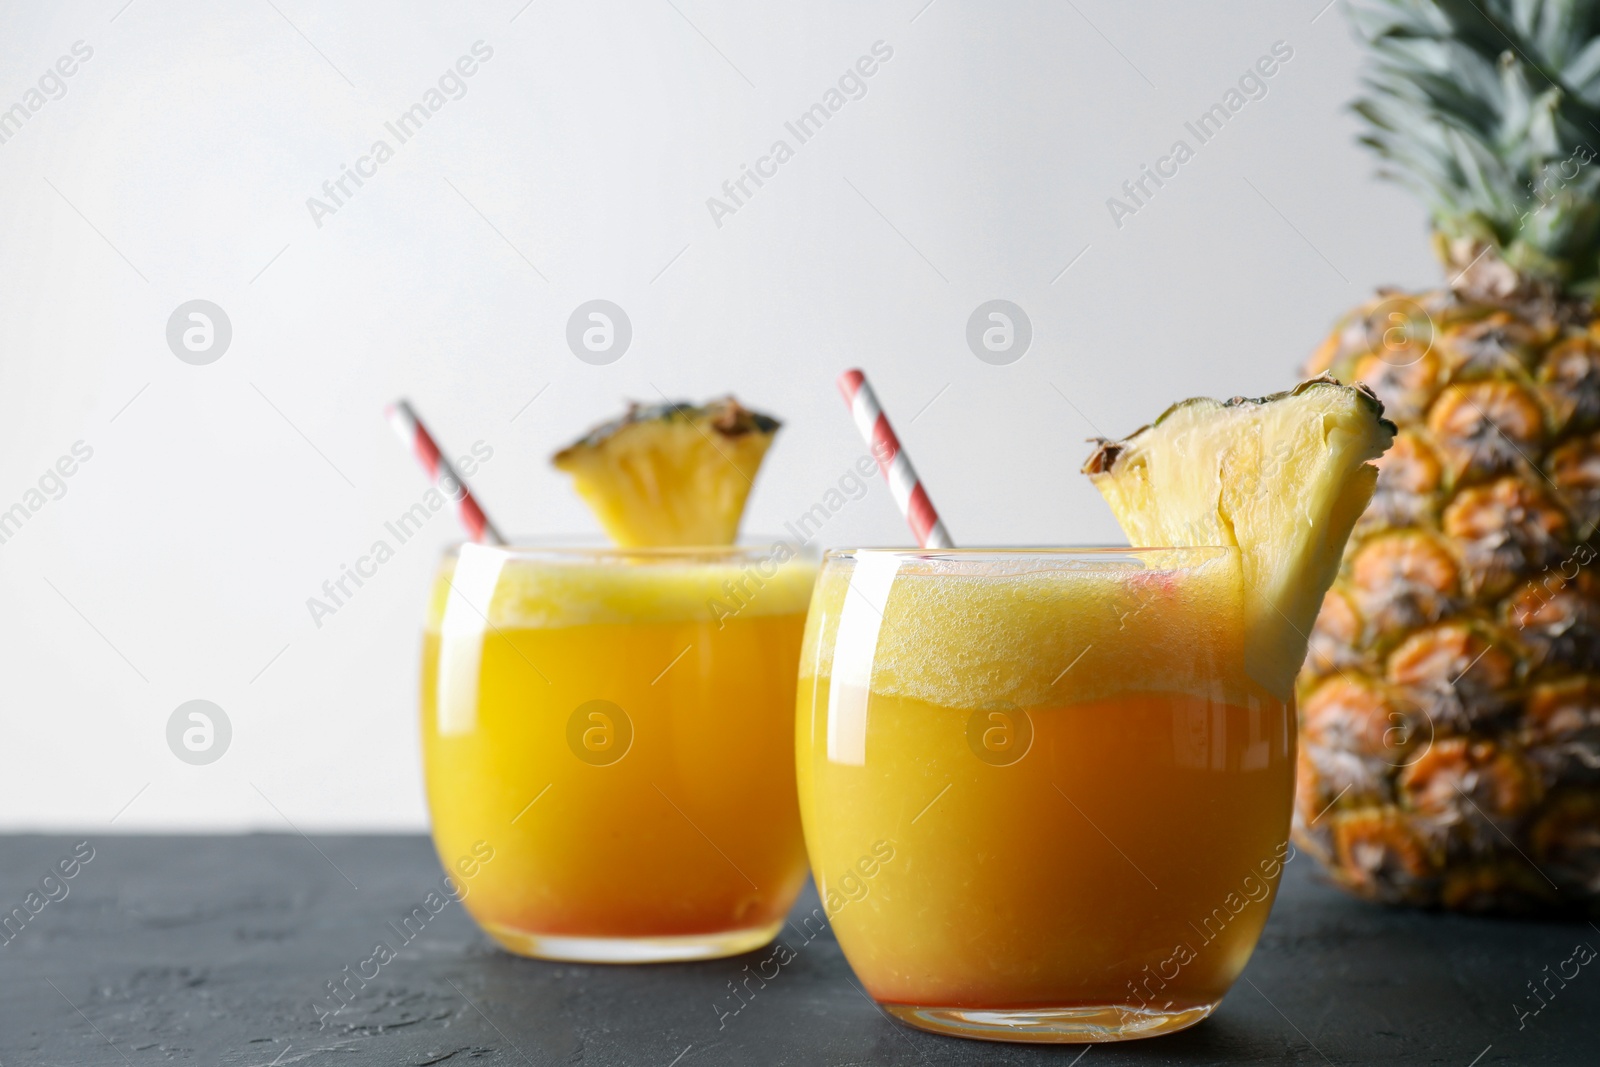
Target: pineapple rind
1525	691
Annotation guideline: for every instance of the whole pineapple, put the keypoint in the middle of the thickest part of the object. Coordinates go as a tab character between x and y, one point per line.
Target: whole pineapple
1450	702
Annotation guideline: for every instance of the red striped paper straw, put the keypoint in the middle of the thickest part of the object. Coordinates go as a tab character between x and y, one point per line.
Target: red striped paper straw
904	485
415	436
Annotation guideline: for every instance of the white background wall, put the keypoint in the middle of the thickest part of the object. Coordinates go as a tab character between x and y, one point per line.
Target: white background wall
177	166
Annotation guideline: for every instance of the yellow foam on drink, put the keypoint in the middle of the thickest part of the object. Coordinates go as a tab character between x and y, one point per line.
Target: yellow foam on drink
577	588
1038	631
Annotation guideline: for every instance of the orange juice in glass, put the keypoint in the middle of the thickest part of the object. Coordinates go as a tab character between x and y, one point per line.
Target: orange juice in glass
1042	799
615	724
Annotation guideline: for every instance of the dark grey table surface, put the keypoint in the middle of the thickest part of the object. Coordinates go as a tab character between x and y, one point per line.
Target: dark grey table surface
213	950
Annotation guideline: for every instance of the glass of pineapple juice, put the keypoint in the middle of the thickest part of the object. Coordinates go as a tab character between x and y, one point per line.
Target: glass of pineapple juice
615	725
1042	799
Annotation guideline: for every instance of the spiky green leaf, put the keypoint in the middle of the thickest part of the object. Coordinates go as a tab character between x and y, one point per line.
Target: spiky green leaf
1491	110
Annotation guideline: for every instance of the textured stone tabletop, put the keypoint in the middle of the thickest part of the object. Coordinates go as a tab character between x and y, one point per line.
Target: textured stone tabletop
217	950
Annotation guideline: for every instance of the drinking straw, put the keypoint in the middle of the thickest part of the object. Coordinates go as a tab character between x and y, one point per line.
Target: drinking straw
414	435
904	485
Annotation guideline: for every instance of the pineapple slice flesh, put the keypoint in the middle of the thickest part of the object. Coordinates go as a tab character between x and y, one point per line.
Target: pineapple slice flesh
1283	478
672	474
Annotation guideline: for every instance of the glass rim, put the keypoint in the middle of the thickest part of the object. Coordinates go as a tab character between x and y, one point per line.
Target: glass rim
573	549
1024	551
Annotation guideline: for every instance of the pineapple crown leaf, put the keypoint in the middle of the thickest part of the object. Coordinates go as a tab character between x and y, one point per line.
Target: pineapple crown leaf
1490	109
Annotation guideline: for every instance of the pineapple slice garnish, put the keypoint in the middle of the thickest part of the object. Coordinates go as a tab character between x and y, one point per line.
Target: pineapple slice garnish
671	474
1283	478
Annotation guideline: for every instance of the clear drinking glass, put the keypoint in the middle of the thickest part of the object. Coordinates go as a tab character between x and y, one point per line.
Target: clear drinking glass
1042	799
611	729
